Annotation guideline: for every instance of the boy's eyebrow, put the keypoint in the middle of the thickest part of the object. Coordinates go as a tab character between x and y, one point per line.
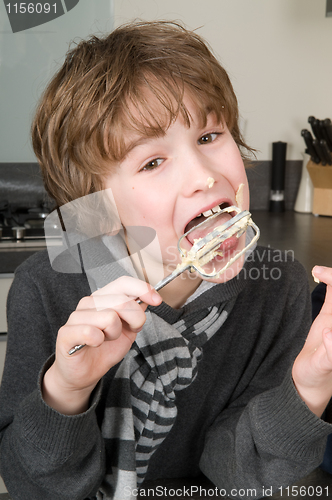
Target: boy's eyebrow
144	139
135	142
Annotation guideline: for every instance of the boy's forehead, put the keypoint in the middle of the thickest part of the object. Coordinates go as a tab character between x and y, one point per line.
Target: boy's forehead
134	138
144	127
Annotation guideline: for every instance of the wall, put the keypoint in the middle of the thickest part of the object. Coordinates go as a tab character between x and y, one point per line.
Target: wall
276	52
28	59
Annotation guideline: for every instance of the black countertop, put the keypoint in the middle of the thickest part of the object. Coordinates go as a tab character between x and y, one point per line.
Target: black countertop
307	237
10	259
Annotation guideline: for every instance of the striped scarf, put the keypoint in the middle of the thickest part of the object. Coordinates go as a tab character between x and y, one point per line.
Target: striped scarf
142	406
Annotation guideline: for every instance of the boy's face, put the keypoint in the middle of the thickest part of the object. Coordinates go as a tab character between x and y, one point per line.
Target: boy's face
165	182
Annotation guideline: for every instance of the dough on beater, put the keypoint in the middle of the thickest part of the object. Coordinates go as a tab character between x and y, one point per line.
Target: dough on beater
239	196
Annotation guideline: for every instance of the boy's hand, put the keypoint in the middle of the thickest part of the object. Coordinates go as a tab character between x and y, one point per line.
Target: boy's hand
107	322
312	369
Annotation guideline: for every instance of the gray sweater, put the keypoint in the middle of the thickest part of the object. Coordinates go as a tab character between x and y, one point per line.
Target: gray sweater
241	422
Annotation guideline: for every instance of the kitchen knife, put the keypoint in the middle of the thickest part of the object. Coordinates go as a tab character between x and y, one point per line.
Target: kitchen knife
325	151
325	135
318	149
315	127
308	139
328	129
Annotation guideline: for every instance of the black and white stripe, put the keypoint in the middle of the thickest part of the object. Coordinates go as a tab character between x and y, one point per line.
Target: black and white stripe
142	406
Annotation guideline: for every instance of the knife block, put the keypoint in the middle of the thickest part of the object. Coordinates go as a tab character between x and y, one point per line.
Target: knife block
321	177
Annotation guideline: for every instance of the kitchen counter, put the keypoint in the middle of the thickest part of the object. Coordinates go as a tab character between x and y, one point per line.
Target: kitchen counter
307	237
11	258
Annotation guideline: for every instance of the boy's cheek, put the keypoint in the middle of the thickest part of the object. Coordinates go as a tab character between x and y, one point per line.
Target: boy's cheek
171	255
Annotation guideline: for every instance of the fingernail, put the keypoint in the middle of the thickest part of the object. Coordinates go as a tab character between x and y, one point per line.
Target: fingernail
156	298
317	270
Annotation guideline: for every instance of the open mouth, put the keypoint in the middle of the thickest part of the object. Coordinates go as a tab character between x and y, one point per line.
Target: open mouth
216	240
210	223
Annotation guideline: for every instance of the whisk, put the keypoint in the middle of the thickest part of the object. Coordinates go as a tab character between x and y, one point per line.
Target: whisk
207	248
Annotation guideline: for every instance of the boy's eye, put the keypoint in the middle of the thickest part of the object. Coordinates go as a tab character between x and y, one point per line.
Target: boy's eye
151	165
207	138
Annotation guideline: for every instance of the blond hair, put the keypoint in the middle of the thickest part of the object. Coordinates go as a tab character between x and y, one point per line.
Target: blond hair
99	93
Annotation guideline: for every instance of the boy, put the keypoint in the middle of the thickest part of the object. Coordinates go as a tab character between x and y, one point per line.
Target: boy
201	381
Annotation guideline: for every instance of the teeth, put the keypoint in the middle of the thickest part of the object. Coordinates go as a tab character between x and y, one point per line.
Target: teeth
216	209
207	213
213	210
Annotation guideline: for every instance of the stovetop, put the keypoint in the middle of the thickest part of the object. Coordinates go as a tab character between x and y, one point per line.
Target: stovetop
22	227
21	237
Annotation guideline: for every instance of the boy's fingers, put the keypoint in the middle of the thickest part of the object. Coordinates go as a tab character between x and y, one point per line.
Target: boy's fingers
100	302
132	314
112	310
324	274
327	340
79	335
151	298
322	353
132	287
110	317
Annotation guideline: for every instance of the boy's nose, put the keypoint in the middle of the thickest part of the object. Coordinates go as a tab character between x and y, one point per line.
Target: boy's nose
197	175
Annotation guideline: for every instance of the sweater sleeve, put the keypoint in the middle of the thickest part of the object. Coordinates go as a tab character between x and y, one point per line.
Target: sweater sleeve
44	455
271	438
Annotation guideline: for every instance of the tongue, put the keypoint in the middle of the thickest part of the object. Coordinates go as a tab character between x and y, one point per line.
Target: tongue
206	228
